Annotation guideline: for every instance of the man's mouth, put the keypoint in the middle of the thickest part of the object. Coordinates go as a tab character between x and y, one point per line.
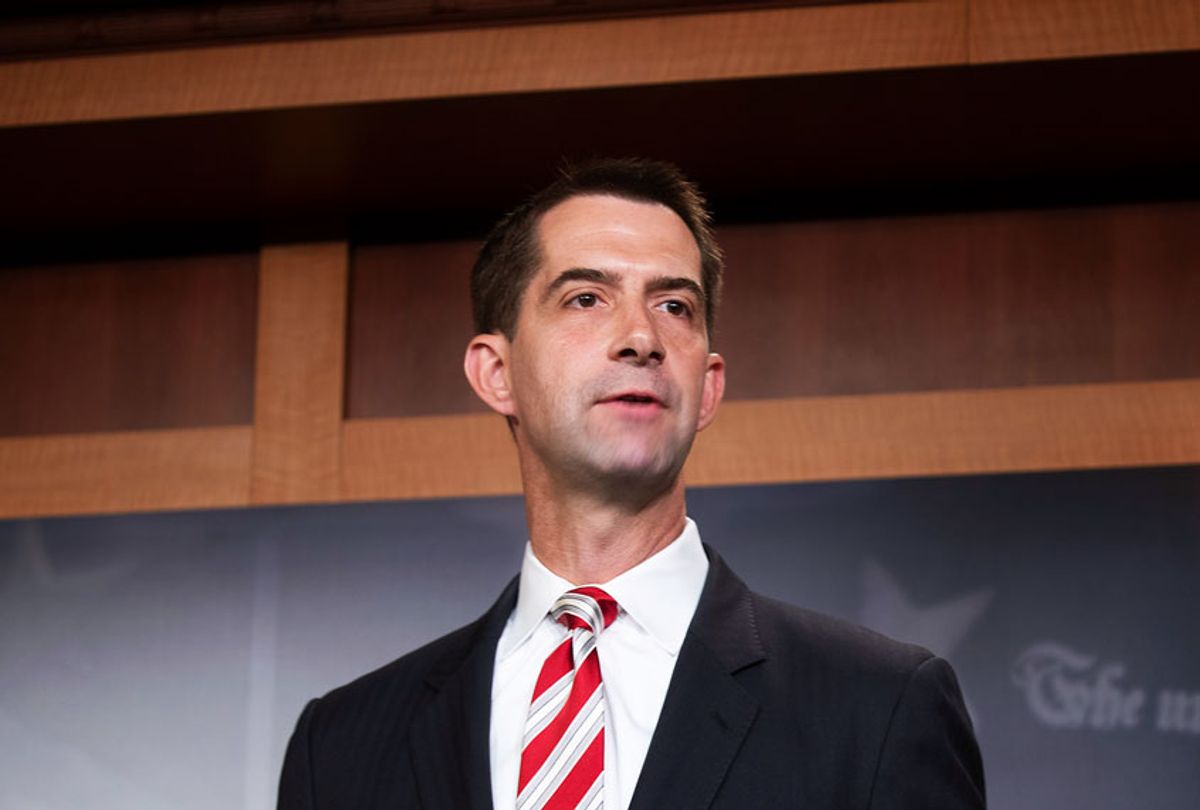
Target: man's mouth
635	398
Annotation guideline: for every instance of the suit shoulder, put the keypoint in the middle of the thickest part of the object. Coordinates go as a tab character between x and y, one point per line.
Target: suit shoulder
888	716
822	672
426	662
398	687
352	743
807	637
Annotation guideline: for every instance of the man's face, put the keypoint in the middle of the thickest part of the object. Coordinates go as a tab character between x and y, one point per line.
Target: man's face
609	370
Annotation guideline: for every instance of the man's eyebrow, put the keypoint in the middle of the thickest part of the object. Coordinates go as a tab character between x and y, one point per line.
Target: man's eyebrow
666	283
581	274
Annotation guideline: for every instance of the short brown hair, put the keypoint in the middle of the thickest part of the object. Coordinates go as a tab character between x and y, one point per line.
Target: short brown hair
511	252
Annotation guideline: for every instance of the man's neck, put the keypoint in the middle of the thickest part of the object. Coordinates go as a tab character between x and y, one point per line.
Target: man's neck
585	539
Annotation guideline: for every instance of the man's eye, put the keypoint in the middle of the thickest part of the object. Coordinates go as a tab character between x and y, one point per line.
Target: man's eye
676	307
585	300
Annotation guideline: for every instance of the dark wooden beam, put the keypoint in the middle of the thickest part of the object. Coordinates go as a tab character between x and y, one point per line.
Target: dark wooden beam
1035	134
62	27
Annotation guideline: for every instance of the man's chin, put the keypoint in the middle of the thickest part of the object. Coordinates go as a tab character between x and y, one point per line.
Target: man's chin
638	469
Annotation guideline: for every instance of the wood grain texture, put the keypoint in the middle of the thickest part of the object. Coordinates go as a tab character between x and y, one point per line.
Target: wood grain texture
298	387
848	307
1087	295
137	471
1082	131
959	301
1155	292
1012	30
854	306
165	342
502	59
768	441
428	457
49	28
410	320
821	438
950	433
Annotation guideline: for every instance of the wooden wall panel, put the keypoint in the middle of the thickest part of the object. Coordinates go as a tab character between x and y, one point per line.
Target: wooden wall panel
865	306
766	441
298	389
853	306
983	300
500	59
145	470
951	433
410	320
428	457
821	439
1011	30
862	144
123	345
1089	295
1155	293
399	66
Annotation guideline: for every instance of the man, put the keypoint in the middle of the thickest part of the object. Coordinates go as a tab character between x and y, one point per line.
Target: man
627	667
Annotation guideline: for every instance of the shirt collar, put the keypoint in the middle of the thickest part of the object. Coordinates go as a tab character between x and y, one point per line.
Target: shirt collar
659	593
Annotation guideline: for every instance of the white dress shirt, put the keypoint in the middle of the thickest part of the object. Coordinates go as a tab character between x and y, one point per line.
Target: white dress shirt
637	652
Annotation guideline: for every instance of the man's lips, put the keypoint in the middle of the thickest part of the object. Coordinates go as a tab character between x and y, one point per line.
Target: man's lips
633	398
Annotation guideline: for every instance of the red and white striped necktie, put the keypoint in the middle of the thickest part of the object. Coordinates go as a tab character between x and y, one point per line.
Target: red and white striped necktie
562	757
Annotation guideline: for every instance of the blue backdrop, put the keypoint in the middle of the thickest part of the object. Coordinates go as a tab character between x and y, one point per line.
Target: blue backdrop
159	661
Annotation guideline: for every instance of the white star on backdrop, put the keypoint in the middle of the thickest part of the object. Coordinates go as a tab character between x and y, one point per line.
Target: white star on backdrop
939	626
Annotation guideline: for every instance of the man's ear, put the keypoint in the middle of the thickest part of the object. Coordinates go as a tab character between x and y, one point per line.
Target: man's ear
714	390
486	367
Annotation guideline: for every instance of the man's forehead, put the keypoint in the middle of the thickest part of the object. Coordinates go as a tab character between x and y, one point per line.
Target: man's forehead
602	206
593	225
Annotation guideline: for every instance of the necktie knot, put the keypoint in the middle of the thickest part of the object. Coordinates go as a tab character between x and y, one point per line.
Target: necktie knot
588	607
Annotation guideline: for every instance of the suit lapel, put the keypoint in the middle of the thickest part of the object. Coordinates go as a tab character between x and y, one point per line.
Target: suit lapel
707	713
449	737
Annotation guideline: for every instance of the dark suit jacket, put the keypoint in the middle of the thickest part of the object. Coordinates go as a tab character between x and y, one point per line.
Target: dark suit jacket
770	706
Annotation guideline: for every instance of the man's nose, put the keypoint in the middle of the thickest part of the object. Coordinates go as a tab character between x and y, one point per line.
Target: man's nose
636	339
